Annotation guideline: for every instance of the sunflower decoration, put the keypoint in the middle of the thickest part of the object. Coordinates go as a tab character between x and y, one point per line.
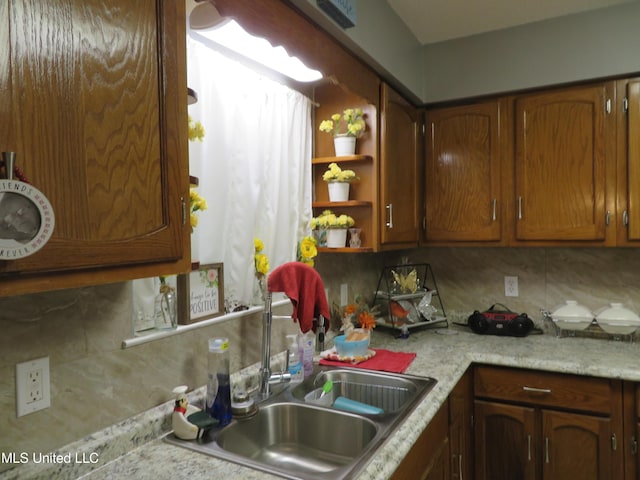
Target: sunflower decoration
196	204
196	201
260	259
195	130
307	250
261	265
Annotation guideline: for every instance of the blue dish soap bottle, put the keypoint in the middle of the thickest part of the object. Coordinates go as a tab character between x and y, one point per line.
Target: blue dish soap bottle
219	384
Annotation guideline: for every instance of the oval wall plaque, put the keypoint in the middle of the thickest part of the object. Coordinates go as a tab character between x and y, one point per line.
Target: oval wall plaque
26	220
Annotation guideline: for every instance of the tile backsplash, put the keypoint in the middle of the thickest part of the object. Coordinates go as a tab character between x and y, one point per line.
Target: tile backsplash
95	383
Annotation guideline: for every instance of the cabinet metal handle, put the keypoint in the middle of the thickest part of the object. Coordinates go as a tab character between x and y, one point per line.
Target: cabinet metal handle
607	218
614	442
625	218
529	447
9	159
454	474
390	222
493	214
460	466
546	449
536	390
184	211
519	208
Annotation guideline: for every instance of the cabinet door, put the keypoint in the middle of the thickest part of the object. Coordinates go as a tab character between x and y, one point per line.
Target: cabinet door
505	442
561	171
398	166
576	446
93	99
631	214
429	456
463	194
460	411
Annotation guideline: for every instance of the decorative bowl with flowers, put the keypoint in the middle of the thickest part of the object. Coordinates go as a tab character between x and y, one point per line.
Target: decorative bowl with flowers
354	345
358	319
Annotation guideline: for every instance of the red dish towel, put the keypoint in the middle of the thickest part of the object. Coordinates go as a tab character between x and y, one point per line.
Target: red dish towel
304	287
384	360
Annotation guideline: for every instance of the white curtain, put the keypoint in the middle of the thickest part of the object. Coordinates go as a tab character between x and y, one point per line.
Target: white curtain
254	166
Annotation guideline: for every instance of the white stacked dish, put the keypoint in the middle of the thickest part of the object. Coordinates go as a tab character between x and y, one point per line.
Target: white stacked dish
617	320
572	316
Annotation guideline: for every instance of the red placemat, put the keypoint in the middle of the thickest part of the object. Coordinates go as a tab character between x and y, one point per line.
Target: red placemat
384	360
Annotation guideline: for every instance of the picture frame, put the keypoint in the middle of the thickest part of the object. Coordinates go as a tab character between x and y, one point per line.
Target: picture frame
201	294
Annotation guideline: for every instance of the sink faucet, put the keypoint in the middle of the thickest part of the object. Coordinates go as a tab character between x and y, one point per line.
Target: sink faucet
266	377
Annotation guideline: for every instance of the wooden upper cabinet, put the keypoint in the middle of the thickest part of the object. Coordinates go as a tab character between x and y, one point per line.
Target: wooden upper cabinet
463	173
562	177
399	151
628	214
93	102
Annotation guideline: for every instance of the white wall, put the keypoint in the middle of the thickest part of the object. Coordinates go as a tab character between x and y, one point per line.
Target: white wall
589	45
381	39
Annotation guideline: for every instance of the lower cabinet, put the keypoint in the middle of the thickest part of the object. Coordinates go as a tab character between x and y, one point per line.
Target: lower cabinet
443	450
428	459
460	432
631	430
537	425
504	442
505	423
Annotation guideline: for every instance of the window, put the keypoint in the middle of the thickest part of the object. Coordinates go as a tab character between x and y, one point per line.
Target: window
254	166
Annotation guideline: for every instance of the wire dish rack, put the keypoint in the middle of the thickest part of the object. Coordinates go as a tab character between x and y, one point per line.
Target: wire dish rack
407	297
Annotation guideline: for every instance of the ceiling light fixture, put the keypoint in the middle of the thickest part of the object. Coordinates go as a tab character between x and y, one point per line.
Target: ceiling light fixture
208	22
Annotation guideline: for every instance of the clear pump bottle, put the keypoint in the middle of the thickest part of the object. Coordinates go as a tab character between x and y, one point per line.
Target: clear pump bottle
295	363
219	385
307	345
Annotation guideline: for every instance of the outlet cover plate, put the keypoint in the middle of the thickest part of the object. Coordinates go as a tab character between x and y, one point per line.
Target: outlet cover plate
33	391
344	294
510	286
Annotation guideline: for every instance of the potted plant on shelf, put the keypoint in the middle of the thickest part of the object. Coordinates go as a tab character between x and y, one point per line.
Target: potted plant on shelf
334	226
345	128
338	181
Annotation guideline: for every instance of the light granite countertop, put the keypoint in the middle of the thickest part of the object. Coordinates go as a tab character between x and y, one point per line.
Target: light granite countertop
137	452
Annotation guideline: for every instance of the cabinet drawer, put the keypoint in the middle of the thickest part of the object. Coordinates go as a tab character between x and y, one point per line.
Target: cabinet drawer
544	389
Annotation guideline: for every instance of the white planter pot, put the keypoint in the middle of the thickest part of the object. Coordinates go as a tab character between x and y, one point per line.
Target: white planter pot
344	146
338	191
336	237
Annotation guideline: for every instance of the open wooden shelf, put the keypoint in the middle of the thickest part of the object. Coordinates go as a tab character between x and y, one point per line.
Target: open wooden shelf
348	203
346	158
345	250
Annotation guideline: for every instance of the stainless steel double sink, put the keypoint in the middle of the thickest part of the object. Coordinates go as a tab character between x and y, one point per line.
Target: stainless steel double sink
293	438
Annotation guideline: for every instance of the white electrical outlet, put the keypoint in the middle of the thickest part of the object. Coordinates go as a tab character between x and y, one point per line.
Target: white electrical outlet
510	286
32	386
344	294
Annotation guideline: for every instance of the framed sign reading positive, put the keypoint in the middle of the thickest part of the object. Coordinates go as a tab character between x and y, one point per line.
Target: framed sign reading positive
201	294
26	219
